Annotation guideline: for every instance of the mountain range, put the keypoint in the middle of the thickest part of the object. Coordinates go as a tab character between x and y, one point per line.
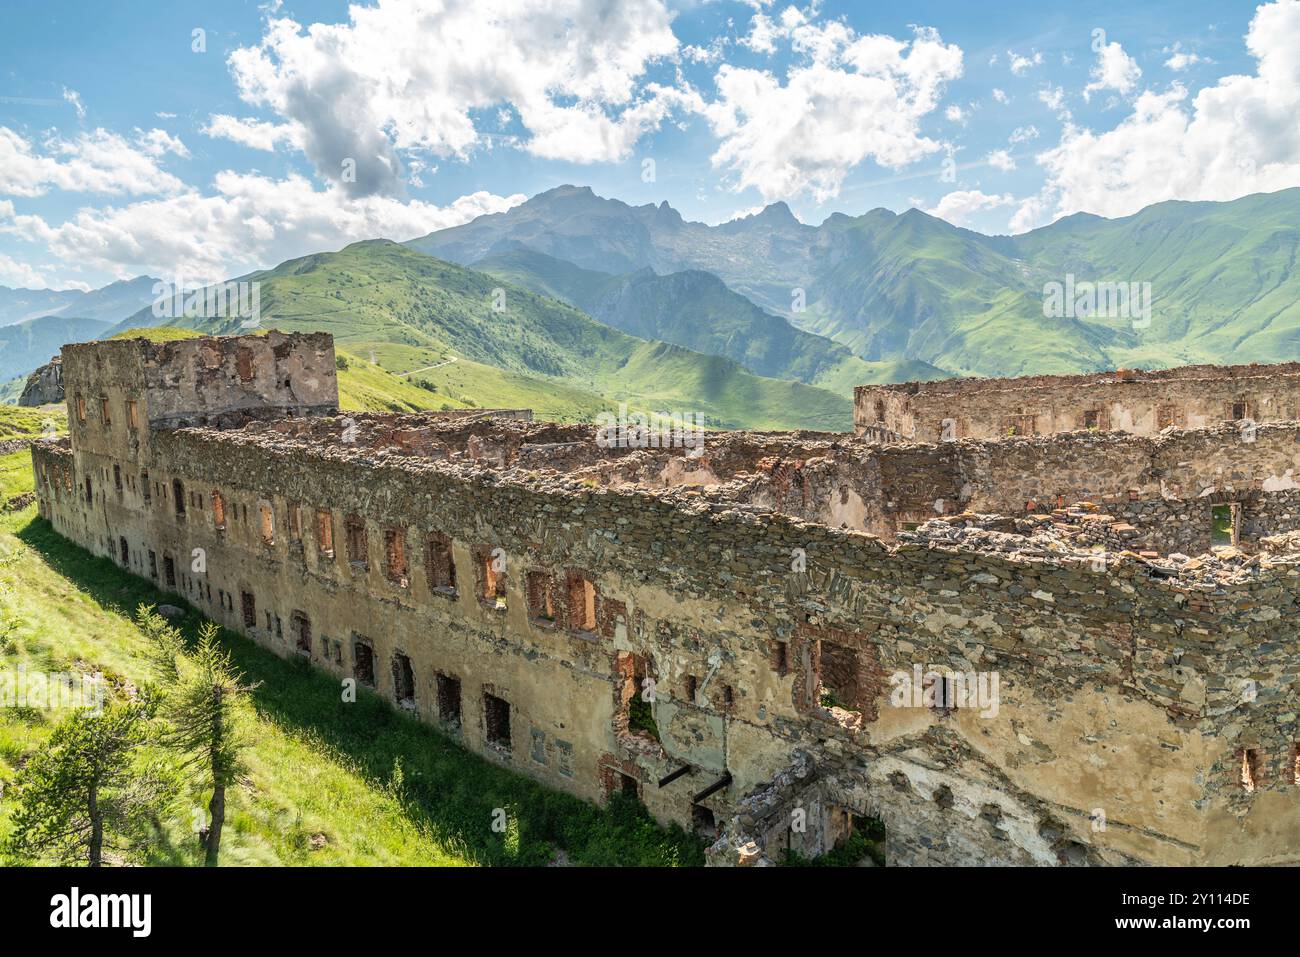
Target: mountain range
909	286
107	304
476	337
571	302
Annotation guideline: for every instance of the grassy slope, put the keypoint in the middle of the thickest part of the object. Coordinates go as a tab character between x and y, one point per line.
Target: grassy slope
377	293
693	309
321	787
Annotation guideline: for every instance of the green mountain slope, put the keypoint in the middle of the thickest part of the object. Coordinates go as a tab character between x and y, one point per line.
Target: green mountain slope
696	310
1223	276
378	296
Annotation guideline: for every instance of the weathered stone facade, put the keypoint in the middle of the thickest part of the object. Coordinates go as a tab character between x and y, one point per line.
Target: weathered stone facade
1129	400
528	590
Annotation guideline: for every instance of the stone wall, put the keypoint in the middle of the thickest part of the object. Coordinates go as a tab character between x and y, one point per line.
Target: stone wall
1133	400
767	634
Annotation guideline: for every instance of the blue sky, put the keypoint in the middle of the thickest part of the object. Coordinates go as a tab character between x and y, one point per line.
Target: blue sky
129	144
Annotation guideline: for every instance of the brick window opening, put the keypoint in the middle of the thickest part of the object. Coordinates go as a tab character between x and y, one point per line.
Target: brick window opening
81	408
325	532
244	363
363	661
144	487
1250	769
90	496
839	676
300	628
104	412
324	648
496	721
403	679
395	567
295	524
690	686
117	477
249	608
582	602
267	518
1092	419
1240	410
153	564
1167	415
169	571
541	607
178	496
1225	523
636	711
354	531
628	786
439	564
728	696
781	658
449	700
338	653
491	577
123	551
132	414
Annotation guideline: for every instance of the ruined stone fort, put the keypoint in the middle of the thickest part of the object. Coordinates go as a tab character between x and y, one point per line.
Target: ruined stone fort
1030	621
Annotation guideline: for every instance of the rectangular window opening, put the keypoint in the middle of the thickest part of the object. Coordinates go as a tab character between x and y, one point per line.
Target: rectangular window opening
300	628
1225	524
363	661
354	530
325	532
395	567
541	606
266	516
582	602
496	721
839	676
439	565
403	679
449	700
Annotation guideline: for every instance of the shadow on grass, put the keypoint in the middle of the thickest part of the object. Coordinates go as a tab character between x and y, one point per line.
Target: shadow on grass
447	792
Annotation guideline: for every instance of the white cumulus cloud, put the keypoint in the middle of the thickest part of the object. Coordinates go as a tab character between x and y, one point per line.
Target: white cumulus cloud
1236	137
411	75
94	162
958	206
1114	70
849	98
247	222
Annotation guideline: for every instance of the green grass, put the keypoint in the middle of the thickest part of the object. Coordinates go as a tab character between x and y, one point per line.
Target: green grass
329	783
375	295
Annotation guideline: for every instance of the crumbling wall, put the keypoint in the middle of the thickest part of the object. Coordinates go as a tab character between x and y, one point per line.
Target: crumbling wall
1123	696
1132	400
